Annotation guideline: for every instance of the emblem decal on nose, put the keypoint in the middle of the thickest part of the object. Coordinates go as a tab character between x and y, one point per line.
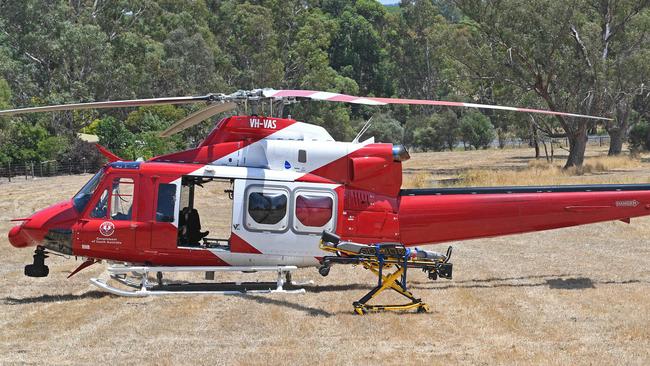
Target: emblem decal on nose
107	228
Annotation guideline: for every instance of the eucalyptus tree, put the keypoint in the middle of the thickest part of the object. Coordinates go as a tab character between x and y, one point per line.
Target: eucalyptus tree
534	50
614	39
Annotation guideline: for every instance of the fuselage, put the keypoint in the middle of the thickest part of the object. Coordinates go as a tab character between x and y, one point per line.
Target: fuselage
288	182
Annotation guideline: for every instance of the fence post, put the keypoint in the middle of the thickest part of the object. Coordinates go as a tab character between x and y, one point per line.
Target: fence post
9	172
69	166
32	170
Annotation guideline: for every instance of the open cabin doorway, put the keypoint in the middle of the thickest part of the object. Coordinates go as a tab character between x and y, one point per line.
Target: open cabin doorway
205	212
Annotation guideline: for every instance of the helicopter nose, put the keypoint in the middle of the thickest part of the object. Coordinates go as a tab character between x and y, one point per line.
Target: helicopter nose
17	237
49	227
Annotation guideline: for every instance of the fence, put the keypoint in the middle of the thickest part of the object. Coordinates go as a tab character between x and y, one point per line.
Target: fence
593	140
26	170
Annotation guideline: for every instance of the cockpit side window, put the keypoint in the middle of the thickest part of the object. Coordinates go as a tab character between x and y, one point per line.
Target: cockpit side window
166	203
122	199
101	208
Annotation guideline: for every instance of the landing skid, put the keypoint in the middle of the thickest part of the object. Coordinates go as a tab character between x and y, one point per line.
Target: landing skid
139	281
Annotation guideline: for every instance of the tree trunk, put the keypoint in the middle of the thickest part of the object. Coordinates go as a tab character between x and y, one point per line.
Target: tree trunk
615	141
617	133
535	141
501	138
577	146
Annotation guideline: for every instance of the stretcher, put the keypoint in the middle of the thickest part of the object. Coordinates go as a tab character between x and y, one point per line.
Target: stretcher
390	262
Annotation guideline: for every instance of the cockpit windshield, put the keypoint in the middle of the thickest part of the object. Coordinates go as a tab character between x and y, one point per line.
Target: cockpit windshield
81	199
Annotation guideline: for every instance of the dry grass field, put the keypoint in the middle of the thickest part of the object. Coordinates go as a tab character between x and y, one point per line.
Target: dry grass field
573	296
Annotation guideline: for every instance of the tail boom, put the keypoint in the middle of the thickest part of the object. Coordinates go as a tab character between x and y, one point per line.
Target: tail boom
440	215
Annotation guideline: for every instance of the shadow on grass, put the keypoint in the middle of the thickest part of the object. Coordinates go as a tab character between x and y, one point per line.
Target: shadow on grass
307	309
570	283
553	282
337	288
56	298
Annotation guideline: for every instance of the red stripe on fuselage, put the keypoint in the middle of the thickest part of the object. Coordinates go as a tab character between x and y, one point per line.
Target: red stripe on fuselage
230	134
239	245
382	176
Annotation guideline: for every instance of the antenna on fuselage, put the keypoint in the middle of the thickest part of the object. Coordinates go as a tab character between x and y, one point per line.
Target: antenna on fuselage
363	130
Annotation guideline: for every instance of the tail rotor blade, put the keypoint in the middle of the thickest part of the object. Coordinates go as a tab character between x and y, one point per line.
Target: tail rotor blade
336	97
109	104
197	117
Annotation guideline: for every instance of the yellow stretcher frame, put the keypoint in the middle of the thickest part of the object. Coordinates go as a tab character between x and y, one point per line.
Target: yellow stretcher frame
390	281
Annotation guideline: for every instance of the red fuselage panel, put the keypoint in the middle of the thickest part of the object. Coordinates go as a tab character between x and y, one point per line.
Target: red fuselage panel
440	218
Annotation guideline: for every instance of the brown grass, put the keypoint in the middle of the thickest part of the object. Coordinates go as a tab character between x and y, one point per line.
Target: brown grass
570	296
508	167
540	172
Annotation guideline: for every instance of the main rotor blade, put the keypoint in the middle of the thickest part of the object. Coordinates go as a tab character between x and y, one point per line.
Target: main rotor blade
197	117
109	104
336	97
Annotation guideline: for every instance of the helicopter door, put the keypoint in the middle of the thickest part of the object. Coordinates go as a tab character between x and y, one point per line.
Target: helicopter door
109	226
282	218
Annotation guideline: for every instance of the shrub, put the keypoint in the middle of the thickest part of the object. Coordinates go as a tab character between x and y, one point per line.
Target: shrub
476	130
639	137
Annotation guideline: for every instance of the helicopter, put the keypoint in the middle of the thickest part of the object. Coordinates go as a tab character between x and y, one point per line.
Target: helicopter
287	183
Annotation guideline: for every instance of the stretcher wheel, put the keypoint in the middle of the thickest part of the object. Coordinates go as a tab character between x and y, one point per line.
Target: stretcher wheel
324	270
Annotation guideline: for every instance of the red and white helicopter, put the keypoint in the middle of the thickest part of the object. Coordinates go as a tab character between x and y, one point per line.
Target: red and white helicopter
289	182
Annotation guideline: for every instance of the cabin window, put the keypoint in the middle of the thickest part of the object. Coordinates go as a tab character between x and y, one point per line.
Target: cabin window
267	208
166	203
122	199
313	211
101	208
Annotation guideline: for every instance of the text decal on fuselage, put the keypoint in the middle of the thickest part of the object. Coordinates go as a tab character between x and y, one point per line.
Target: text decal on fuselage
265	123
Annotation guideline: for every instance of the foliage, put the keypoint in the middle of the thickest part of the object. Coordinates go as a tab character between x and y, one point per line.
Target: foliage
476	130
583	56
639	137
384	128
114	136
438	132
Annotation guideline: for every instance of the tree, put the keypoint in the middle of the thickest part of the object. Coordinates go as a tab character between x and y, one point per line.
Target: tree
5	101
583	61
22	138
417	46
427	138
618	51
546	62
437	132
476	129
358	49
114	136
383	128
250	41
